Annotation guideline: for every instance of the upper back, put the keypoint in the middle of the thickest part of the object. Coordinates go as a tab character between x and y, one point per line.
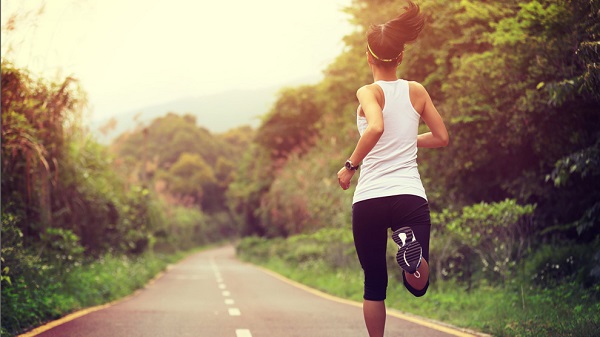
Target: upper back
390	168
400	116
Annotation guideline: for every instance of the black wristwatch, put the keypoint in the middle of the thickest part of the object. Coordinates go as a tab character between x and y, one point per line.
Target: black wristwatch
349	166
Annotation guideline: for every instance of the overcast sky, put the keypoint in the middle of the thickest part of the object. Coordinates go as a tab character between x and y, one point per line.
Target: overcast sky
133	53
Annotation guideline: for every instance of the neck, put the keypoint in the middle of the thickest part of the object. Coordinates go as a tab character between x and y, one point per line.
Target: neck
384	73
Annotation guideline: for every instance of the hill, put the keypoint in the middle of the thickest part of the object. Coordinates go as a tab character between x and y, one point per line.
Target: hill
217	113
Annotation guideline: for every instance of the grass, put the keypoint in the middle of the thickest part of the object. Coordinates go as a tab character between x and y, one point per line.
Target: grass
46	293
564	310
511	310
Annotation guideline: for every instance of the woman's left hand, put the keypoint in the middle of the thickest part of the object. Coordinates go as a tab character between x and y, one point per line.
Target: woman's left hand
344	177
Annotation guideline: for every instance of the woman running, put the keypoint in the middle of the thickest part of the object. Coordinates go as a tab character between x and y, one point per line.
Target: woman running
389	193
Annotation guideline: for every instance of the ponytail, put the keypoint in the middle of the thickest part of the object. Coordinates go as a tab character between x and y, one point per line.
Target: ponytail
385	42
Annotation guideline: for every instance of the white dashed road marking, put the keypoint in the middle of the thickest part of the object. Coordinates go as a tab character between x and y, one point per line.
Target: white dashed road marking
243	333
234	312
228	301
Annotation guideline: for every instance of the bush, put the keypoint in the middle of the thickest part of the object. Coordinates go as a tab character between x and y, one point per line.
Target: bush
40	292
499	234
61	248
258	249
503	311
332	248
554	264
26	281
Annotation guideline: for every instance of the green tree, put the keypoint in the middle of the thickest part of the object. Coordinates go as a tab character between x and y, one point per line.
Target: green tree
190	177
252	179
290	125
171	147
33	117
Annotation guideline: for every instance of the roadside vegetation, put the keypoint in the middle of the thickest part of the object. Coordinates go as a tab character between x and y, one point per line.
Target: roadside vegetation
515	196
326	260
82	226
43	290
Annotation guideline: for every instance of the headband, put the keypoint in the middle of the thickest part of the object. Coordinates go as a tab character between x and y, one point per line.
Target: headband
380	59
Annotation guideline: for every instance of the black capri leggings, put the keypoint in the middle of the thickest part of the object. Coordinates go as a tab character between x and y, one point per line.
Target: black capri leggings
371	219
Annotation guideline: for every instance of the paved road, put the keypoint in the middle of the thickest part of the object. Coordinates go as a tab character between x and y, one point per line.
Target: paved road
211	294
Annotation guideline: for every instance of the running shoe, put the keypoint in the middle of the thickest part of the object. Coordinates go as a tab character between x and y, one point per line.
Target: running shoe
410	252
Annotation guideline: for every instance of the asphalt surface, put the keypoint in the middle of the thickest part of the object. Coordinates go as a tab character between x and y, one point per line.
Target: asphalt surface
212	294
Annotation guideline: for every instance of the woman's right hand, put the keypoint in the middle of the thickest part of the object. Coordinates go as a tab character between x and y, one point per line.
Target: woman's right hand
344	177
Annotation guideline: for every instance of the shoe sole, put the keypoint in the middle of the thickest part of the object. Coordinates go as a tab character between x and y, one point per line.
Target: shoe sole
396	236
410	251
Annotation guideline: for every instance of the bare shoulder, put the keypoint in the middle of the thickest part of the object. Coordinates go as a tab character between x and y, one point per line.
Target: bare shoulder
368	89
416	87
371	92
418	95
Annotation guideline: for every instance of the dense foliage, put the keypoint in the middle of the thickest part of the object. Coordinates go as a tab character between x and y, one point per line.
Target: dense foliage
515	193
69	202
182	160
516	83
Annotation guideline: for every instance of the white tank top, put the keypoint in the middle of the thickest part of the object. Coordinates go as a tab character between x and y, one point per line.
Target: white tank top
391	166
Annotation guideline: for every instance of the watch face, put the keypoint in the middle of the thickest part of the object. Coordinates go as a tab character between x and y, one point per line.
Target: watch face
348	165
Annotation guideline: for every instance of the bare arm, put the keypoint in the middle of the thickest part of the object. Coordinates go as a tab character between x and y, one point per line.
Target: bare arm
438	137
373	113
